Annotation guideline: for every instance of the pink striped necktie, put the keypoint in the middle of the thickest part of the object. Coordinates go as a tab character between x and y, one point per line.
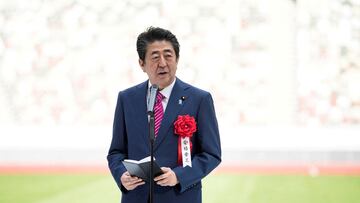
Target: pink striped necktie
158	111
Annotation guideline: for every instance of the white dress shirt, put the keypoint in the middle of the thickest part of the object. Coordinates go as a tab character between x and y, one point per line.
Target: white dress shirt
166	92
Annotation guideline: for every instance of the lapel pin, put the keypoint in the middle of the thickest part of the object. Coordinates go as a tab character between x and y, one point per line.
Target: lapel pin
181	100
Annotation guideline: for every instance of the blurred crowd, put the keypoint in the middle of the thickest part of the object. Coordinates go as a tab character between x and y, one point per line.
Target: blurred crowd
63	62
328	64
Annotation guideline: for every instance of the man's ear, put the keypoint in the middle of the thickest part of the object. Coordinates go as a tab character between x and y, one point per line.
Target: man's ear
142	64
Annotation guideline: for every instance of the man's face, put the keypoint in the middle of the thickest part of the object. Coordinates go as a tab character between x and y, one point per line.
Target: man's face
160	63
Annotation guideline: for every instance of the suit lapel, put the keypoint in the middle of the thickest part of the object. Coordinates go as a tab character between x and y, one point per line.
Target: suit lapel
171	112
140	109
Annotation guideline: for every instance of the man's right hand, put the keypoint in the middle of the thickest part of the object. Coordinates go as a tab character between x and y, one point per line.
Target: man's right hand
130	182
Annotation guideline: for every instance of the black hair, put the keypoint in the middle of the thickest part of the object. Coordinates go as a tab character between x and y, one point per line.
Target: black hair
153	34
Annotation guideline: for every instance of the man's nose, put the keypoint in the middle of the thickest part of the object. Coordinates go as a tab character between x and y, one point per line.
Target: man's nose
162	62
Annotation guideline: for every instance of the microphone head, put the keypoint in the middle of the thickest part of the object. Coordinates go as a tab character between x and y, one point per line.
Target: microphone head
152	97
155	86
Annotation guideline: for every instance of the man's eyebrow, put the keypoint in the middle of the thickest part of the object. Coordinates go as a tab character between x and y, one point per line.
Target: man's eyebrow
168	50
165	50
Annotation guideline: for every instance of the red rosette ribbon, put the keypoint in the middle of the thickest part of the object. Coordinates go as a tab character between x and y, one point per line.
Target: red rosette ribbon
184	126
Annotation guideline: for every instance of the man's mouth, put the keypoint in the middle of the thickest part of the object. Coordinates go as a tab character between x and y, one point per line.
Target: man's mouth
162	73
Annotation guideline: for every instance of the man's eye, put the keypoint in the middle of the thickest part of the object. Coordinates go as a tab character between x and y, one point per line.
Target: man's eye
155	57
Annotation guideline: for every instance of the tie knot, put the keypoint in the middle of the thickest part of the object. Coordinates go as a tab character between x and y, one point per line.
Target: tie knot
159	97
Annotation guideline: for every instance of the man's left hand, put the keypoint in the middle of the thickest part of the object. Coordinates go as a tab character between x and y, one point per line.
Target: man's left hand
167	179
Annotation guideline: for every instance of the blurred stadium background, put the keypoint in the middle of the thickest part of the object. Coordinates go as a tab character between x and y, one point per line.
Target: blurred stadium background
284	74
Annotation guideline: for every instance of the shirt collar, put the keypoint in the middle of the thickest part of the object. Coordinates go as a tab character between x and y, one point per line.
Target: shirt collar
167	90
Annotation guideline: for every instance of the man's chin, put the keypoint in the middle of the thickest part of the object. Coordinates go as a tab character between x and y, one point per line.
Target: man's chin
162	84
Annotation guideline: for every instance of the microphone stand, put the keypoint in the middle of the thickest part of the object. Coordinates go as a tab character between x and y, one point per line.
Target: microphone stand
152	139
151	115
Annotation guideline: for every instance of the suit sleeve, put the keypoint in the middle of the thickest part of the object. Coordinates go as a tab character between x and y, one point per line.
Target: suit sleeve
118	147
209	142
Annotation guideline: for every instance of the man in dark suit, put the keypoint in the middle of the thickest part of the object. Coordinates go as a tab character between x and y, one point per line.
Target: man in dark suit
158	51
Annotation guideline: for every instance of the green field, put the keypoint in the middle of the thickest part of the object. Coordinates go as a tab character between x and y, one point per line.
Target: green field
91	188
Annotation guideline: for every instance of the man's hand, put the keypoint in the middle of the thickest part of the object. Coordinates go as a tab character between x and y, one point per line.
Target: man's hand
129	182
167	179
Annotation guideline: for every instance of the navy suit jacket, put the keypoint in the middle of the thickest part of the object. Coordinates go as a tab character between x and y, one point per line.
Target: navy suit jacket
131	141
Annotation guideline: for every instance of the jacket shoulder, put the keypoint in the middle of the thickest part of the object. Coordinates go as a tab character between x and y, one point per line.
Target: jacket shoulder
195	90
132	90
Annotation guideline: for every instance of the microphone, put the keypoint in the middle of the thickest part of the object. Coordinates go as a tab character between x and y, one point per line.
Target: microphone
152	98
